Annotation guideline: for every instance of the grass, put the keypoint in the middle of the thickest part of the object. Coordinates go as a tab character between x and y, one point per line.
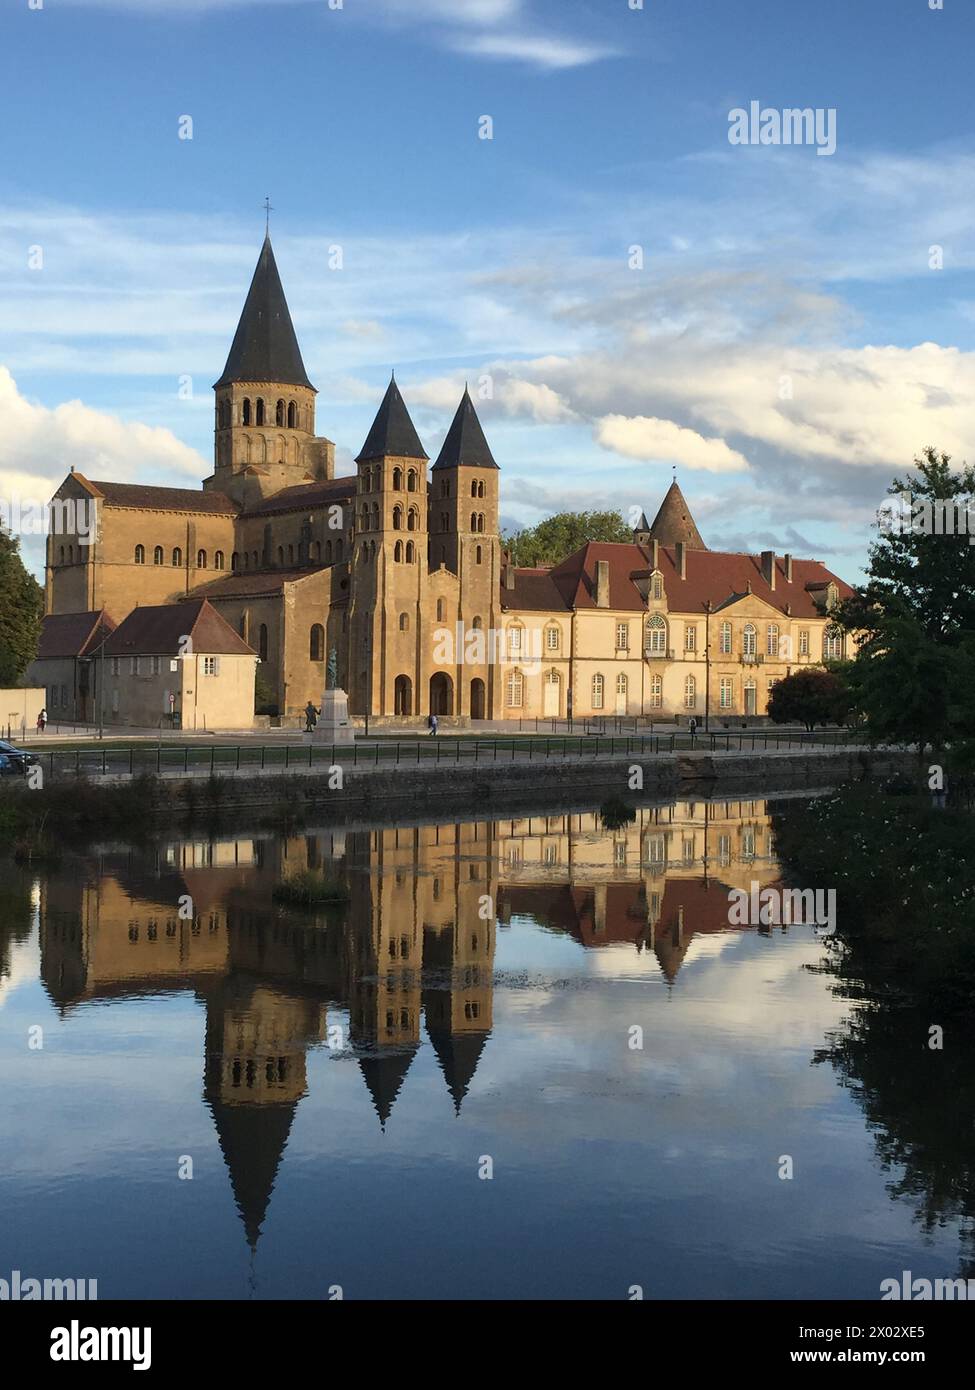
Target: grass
310	889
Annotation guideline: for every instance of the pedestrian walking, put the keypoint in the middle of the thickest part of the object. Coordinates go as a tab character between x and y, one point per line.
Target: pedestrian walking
42	721
311	717
432	724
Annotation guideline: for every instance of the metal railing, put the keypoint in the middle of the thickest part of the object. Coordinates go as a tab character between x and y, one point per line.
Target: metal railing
221	759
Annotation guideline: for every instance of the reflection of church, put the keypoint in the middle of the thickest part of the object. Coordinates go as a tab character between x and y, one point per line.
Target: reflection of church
416	938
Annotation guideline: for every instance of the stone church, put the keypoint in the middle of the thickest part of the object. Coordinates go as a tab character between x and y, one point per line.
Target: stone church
396	567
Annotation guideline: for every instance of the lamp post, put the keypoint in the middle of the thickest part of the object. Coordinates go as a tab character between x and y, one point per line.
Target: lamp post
707	666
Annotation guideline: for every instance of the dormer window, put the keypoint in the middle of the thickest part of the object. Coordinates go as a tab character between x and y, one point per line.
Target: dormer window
657	586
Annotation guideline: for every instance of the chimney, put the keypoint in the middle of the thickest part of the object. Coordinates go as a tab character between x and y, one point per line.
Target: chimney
681	559
508	575
787	562
768	567
602	583
654	555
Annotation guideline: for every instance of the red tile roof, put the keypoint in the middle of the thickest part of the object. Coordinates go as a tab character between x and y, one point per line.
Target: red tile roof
306	495
72	634
160	499
710	574
161	630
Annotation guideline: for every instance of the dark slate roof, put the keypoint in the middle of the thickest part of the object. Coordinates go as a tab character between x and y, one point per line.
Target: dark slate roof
465	445
458	1055
392	433
251	583
383	1073
253	1139
159	630
674	522
265	347
304	496
72	634
161	499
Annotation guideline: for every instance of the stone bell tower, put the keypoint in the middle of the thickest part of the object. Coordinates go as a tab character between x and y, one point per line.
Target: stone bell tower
264	428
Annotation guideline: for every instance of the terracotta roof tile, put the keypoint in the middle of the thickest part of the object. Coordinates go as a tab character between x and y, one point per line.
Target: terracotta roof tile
163	499
305	495
159	630
72	634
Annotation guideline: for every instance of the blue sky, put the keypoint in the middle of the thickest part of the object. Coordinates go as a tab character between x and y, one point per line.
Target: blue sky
787	344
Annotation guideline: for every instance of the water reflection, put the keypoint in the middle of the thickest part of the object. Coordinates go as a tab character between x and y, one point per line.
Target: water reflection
413	947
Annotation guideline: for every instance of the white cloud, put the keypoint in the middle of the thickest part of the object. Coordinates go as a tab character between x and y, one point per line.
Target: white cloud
645	437
38	446
541	50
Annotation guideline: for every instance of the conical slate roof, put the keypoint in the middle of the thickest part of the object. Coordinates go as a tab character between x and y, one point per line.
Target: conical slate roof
674	522
465	443
383	1073
265	347
458	1055
392	431
253	1139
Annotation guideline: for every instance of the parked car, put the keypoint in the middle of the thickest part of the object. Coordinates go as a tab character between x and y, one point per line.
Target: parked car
14	760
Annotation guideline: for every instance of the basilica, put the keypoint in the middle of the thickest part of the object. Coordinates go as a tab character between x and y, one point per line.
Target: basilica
376	567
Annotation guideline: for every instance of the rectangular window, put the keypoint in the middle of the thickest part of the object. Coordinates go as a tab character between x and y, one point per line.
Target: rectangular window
116	662
804	641
133	665
725	639
622	637
514	639
727	692
552	639
597	692
772	640
156	665
211	666
690	638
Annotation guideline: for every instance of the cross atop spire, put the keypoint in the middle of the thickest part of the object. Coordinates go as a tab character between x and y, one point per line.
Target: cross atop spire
268	209
265	347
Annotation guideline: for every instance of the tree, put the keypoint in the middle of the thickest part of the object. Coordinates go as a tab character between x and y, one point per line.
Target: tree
809	697
915	616
563	534
21	610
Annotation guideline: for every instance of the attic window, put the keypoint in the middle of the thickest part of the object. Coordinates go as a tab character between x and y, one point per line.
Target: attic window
657	586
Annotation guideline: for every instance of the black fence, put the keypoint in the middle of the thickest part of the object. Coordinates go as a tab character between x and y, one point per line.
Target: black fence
215	760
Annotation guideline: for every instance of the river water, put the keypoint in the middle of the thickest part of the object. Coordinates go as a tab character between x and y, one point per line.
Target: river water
521	1058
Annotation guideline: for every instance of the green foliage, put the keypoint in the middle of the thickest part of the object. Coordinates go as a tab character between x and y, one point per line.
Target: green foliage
563	534
264	701
914	671
810	696
21	609
309	889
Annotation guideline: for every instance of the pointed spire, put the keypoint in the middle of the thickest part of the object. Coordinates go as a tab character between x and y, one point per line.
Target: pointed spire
253	1139
383	1073
265	346
392	433
465	443
674	522
458	1055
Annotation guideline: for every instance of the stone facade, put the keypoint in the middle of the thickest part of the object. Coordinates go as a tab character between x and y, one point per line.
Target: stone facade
398	568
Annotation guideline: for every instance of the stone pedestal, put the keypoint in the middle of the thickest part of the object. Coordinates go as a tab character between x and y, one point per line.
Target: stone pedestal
333	723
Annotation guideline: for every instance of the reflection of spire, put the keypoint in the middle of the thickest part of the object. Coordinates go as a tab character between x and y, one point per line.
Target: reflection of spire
458	1055
253	1139
383	1073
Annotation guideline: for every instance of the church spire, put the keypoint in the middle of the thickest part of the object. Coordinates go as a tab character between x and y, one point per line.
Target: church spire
465	443
265	346
392	434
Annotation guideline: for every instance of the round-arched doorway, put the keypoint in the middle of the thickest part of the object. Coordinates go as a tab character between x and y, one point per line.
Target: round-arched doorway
441	694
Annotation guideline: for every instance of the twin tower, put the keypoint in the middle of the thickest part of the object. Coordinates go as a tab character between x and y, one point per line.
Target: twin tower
421	548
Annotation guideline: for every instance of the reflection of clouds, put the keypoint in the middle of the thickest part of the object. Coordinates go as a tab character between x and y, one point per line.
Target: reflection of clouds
25	967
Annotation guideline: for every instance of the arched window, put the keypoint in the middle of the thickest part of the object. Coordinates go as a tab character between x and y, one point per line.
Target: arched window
280	557
656	692
367	480
622	685
397	518
235	560
316	643
410	552
177	557
256	559
477	555
515	690
140	555
218	560
244	624
291	554
441	610
260	411
598	691
62	555
292	415
201	559
655	635
318	552
157	555
724	645
832	643
398	551
262	641
473	487
404	622
247	410
411	479
749	640
690	693
772	640
473	521
247	560
476	624
413	520
553	638
279	413
328	552
338	550
397	480
375	516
